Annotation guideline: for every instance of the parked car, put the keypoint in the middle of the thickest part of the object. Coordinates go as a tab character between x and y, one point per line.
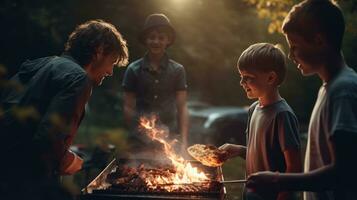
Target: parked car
197	105
217	124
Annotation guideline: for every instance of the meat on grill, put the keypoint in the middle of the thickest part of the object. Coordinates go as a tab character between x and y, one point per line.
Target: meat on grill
133	179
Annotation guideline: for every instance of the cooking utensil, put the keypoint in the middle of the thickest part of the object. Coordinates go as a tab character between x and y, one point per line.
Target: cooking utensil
234	181
207	182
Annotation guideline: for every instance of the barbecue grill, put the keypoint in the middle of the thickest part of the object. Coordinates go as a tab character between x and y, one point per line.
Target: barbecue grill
100	189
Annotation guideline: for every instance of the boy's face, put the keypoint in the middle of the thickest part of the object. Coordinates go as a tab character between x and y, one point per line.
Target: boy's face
101	67
307	55
157	41
255	84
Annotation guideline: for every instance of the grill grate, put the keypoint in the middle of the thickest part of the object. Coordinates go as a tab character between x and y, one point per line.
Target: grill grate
98	189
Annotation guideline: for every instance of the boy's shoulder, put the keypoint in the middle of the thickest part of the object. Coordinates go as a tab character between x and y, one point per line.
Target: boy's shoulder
345	84
174	64
253	105
276	108
283	108
136	64
282	112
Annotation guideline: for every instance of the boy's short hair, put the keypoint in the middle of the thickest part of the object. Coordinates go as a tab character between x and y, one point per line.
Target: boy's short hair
159	22
263	57
316	16
85	40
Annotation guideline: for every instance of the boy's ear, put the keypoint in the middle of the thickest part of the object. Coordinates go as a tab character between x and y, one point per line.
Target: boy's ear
272	77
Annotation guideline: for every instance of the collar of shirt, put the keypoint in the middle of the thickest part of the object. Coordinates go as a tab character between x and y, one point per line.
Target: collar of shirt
163	63
69	57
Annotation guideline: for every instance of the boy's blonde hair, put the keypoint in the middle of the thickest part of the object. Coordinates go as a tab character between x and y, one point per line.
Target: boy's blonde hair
263	57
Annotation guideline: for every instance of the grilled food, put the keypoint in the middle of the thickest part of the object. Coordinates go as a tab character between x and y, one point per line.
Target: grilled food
208	155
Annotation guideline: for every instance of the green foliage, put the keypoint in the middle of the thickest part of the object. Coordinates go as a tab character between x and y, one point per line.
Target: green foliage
274	10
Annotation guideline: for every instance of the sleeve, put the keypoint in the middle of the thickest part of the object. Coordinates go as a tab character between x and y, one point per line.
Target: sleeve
288	130
343	114
59	125
180	83
250	113
129	82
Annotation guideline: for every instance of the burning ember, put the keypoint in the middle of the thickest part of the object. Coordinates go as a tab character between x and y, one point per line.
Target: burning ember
183	172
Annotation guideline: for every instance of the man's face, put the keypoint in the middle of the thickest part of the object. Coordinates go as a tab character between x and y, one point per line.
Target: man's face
255	84
157	41
307	55
101	67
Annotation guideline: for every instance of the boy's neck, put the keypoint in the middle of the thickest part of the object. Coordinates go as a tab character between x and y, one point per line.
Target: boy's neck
334	64
270	98
155	59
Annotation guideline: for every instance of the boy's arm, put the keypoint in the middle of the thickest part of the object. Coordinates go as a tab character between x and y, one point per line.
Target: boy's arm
344	144
182	113
234	150
293	164
339	172
129	84
293	160
323	178
316	180
180	86
129	99
59	125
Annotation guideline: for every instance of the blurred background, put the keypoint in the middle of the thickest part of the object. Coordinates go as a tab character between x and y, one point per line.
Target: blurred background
211	35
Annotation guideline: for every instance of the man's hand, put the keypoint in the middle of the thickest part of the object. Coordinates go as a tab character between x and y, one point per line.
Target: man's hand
233	150
71	163
263	181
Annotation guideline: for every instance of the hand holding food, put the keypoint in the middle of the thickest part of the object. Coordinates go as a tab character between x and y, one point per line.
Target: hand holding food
208	155
71	163
233	150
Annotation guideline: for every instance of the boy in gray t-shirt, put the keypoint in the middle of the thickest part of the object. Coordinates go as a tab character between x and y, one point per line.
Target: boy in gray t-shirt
314	31
272	133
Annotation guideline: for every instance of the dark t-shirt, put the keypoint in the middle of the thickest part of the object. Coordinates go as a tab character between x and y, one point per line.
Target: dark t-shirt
156	90
271	130
42	114
335	112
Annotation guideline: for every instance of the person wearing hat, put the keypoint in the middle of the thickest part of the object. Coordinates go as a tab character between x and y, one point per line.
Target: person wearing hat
156	84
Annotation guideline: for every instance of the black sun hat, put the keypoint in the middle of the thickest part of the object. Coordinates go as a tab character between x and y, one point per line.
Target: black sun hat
155	21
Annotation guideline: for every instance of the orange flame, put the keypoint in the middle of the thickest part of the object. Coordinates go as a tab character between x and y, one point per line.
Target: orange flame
185	172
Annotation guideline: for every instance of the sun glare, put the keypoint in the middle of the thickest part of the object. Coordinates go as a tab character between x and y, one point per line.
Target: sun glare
179	2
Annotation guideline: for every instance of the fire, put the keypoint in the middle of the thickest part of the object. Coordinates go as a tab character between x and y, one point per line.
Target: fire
185	172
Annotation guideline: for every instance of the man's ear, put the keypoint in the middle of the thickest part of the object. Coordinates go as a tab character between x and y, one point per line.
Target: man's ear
272	77
98	53
320	40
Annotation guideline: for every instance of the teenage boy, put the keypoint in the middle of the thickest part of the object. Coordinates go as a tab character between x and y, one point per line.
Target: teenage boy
314	31
273	142
156	84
